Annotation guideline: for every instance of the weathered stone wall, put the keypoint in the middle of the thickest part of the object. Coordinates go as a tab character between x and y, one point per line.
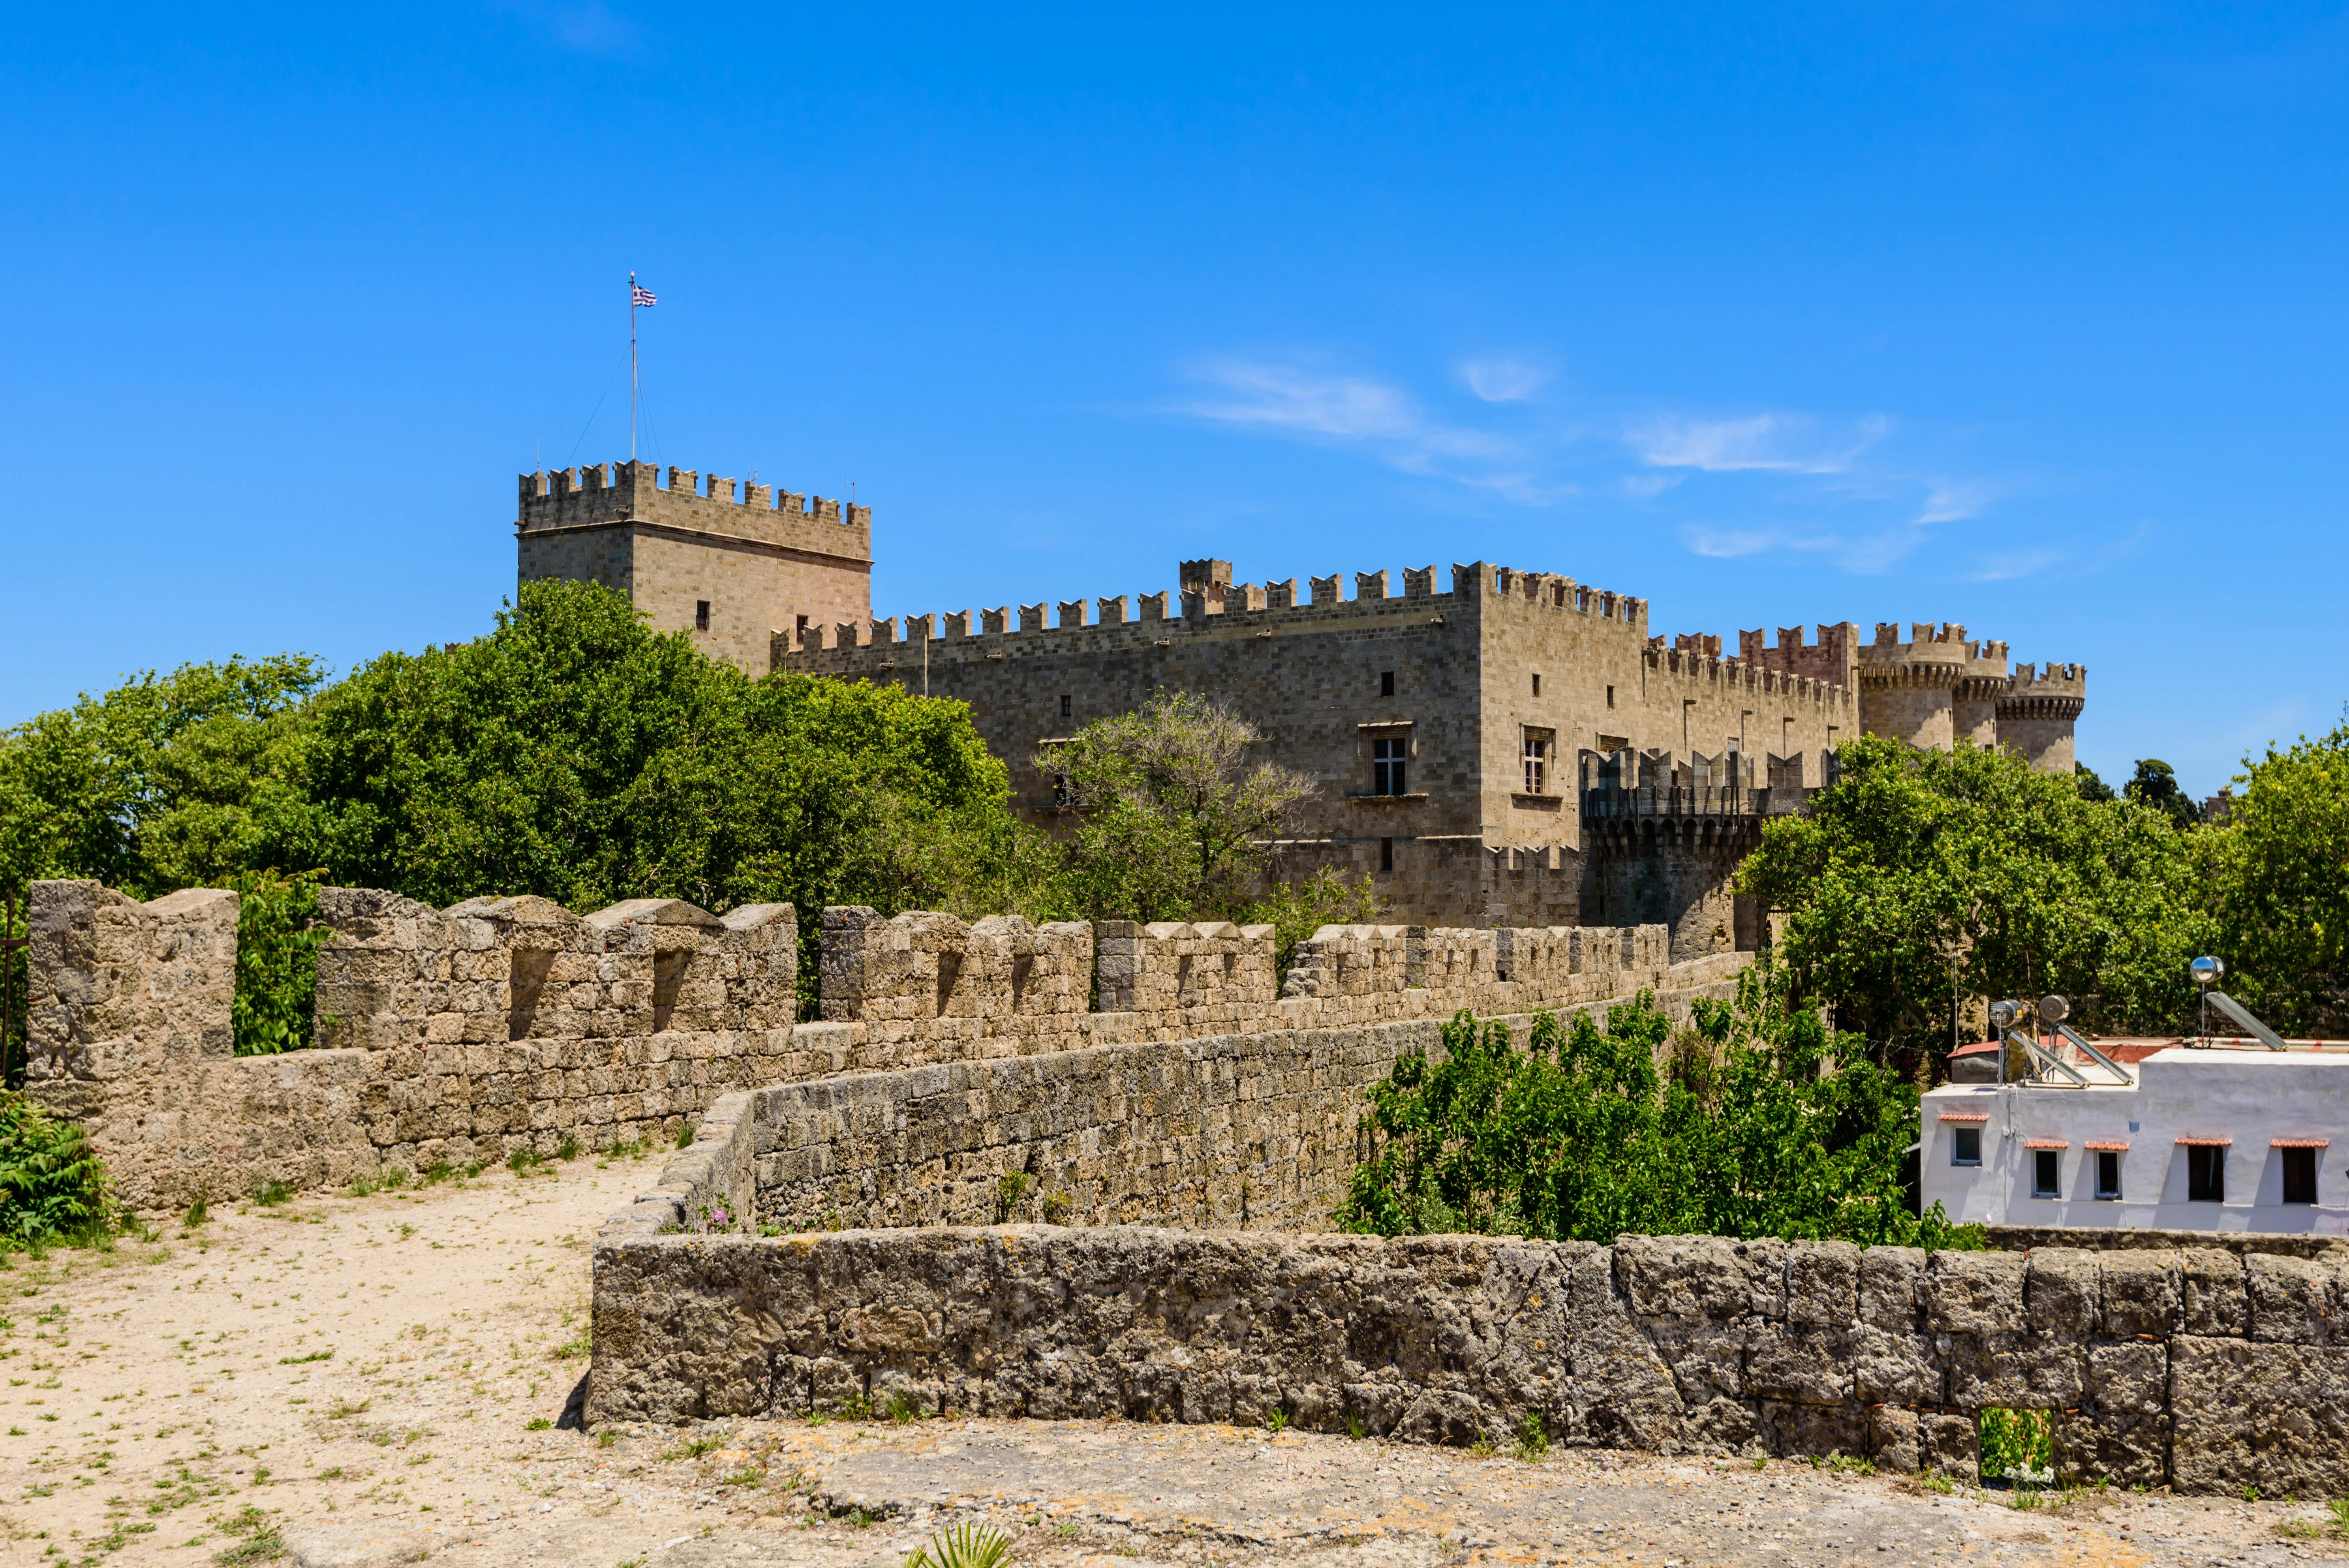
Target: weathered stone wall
462	1035
2201	1370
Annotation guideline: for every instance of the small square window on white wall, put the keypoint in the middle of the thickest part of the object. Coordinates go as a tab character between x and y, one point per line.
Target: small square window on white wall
1965	1145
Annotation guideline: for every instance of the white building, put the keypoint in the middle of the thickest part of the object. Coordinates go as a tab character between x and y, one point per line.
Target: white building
2223	1137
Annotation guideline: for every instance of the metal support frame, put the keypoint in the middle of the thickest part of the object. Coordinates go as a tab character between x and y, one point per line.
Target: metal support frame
2043	1057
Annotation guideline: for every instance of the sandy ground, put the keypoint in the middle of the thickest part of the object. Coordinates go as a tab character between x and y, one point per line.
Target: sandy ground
348	1381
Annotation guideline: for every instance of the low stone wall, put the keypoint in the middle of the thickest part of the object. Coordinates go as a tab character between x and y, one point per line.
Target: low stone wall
462	1035
2197	1368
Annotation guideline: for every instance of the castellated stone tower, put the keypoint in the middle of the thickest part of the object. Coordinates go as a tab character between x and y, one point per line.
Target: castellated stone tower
738	566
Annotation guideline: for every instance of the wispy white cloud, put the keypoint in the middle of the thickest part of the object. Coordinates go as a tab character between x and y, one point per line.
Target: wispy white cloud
1361	411
1767	443
1503	378
1953	500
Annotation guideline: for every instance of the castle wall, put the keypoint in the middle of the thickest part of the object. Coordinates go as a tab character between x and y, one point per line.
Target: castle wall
2192	1368
465	1033
1466	842
760	560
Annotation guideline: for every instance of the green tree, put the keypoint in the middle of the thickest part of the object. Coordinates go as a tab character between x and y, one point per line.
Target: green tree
2284	886
2090	786
1925	877
1173	819
1757	1121
2156	786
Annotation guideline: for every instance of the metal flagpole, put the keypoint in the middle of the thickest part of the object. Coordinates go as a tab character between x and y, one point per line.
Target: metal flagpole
632	365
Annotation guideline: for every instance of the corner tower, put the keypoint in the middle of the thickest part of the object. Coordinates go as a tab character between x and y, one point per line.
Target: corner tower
738	566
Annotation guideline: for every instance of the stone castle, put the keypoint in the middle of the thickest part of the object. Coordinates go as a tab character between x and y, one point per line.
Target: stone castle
1508	748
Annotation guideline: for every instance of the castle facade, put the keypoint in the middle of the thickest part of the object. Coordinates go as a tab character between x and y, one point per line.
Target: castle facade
1496	748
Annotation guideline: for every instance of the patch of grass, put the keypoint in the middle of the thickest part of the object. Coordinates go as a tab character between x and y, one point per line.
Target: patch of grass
694	1448
2299	1529
1275	1420
197	1212
750	1474
2251	1494
1845	1464
1533	1442
344	1409
855	1408
393	1180
1482	1447
1057	1208
901	1408
1935	1481
606	1437
326	1354
568	1148
685	1135
2340	1507
435	1173
363	1186
522	1159
1067	1530
1355	1429
271	1193
536	1424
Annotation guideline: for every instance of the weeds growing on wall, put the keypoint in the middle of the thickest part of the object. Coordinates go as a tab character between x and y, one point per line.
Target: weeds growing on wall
52	1187
1755	1121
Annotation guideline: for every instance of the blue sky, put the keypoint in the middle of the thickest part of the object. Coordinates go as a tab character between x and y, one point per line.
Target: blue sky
2027	318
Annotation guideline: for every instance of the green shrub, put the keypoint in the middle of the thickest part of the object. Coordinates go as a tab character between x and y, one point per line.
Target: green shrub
2018	1446
52	1187
278	934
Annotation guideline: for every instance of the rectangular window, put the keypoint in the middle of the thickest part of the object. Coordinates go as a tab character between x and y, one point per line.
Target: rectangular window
702	615
1610	696
1386	683
1386	854
2045	1165
2206	1174
2108	1173
799	638
1064	706
1386	767
1537	759
1965	1145
2299	1174
1536	683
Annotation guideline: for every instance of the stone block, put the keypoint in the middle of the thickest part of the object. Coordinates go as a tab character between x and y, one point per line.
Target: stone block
1895	1368
1889	1278
2129	1378
2214	1297
2141	1292
1798	1431
1893	1439
1948	1444
1973	1292
1810	1365
2060	1290
1702	1276
2014	1371
1822	1282
2270	1414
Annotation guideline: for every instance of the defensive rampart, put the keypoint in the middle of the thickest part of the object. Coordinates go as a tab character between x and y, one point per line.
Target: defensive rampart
2193	1368
462	1035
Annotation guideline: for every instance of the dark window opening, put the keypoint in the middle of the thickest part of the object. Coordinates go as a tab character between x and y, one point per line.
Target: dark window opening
1386	683
1537	684
526	978
2044	1170
799	635
669	978
2108	1173
1386	854
1386	767
1610	696
2299	1174
1064	706
2206	1174
702	615
1965	1145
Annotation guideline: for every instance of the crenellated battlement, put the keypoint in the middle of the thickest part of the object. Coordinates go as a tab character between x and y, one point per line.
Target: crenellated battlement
602	494
1207	600
2056	693
1695	660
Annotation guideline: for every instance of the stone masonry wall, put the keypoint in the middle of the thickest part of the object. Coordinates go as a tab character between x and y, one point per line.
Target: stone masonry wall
2201	1370
462	1035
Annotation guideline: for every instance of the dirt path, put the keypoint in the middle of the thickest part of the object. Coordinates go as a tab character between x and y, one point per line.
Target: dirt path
346	1381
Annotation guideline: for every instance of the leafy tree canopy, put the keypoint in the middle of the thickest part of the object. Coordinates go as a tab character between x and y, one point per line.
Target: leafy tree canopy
1759	1121
2156	785
2284	886
1924	878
